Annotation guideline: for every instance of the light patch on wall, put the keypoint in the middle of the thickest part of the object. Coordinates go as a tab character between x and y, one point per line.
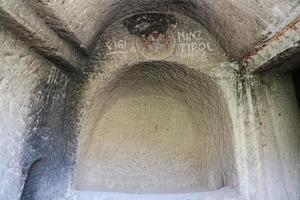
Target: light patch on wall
156	127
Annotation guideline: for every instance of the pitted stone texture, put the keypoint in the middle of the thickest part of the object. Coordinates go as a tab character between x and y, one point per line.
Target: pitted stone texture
114	74
168	127
279	138
29	27
274	52
21	70
246	19
189	44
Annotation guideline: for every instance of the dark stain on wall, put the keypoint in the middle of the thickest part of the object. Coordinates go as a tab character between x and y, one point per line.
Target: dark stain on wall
297	84
49	145
147	23
33	171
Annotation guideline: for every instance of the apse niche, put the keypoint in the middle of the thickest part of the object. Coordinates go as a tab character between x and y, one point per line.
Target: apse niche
157	128
154	124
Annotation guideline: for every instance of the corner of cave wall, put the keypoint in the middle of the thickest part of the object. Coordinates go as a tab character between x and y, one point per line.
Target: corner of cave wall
62	138
277	134
26	82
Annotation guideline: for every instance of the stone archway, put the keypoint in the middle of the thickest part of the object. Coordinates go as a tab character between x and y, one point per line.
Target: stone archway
168	128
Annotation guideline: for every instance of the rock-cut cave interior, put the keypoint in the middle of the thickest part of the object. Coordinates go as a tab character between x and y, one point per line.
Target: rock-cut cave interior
150	100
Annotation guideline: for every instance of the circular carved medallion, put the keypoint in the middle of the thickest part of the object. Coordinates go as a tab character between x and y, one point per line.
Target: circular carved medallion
156	46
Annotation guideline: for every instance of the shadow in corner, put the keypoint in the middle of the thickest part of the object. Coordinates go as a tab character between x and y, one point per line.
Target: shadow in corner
296	75
31	178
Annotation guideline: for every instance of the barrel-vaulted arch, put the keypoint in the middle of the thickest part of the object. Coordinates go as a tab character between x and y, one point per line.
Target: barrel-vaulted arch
233	23
264	109
216	16
168	127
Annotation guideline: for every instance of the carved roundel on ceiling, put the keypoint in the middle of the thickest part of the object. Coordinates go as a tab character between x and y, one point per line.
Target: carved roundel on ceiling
156	45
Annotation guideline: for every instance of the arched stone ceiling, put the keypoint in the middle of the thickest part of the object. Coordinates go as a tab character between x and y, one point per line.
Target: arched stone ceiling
237	24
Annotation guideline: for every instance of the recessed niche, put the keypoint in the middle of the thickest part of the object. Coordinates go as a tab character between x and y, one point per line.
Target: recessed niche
156	127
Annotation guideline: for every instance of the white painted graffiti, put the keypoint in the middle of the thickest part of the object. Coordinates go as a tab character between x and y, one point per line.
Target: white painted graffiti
193	44
197	47
190	44
117	46
183	36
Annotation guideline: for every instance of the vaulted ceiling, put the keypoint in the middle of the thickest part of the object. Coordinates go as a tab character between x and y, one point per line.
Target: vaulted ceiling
237	24
256	33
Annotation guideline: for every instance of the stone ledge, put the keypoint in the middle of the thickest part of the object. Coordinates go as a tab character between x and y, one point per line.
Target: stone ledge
270	53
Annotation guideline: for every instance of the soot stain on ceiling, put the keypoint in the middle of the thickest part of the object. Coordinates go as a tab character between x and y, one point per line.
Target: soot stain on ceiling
146	23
